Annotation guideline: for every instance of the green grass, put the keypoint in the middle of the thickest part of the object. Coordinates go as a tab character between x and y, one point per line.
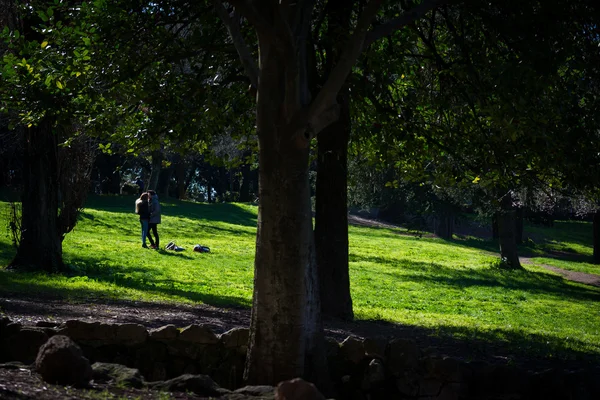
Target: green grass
450	287
566	245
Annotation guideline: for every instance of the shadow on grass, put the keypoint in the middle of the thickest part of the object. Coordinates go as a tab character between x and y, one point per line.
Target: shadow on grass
145	280
523	280
7	252
19	283
222	212
497	346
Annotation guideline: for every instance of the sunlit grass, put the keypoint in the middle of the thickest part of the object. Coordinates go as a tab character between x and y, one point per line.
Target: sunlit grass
451	287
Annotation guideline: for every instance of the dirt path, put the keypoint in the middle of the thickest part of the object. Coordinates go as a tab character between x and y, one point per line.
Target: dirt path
580	277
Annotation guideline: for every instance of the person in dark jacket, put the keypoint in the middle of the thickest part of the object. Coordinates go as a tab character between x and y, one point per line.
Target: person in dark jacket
142	208
154	219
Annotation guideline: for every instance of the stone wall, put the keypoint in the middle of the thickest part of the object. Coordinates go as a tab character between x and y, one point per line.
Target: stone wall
361	369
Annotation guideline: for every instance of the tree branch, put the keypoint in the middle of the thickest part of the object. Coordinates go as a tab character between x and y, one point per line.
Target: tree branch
408	17
246	58
325	101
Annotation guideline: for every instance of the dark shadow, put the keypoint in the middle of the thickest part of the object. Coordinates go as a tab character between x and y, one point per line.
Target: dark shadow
528	281
142	279
150	314
223	212
126	280
7	252
501	347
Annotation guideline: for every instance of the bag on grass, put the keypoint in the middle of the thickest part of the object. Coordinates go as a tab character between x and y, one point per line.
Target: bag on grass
174	247
201	249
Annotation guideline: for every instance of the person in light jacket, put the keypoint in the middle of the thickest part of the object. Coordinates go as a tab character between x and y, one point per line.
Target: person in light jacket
142	208
154	218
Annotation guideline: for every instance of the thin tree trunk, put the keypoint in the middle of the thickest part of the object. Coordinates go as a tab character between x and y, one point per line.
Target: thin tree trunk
495	235
596	228
286	336
507	234
180	173
245	186
444	226
157	157
40	247
519	225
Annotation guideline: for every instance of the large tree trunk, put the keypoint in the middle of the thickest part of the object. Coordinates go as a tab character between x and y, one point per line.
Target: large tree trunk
40	247
286	336
331	207
596	228
507	234
331	217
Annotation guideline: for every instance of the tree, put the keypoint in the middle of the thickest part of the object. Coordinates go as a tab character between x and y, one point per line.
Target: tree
286	335
331	204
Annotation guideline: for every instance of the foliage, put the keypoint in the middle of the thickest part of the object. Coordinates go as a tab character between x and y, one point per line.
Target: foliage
444	286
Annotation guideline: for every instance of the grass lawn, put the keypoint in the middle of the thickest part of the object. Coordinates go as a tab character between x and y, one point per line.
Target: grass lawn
451	287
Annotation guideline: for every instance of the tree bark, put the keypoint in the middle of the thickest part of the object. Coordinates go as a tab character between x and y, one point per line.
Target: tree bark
519	225
157	157
246	183
286	336
180	173
331	216
331	207
40	247
596	228
507	234
444	226
495	235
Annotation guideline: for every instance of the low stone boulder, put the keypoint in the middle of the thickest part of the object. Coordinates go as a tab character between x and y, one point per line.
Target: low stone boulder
61	361
117	374
167	332
198	334
22	343
201	385
236	337
262	391
297	389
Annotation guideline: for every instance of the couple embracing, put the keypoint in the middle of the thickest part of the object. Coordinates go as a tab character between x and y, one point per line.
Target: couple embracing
148	208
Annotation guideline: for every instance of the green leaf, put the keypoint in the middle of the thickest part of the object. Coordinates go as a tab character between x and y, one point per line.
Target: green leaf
59	84
44	44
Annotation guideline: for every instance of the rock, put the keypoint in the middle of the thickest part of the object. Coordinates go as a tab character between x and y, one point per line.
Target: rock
46	324
376	347
297	389
202	385
11	328
4	321
374	374
120	375
445	368
167	332
61	361
24	344
236	337
89	332
198	334
352	349
131	334
261	390
404	355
